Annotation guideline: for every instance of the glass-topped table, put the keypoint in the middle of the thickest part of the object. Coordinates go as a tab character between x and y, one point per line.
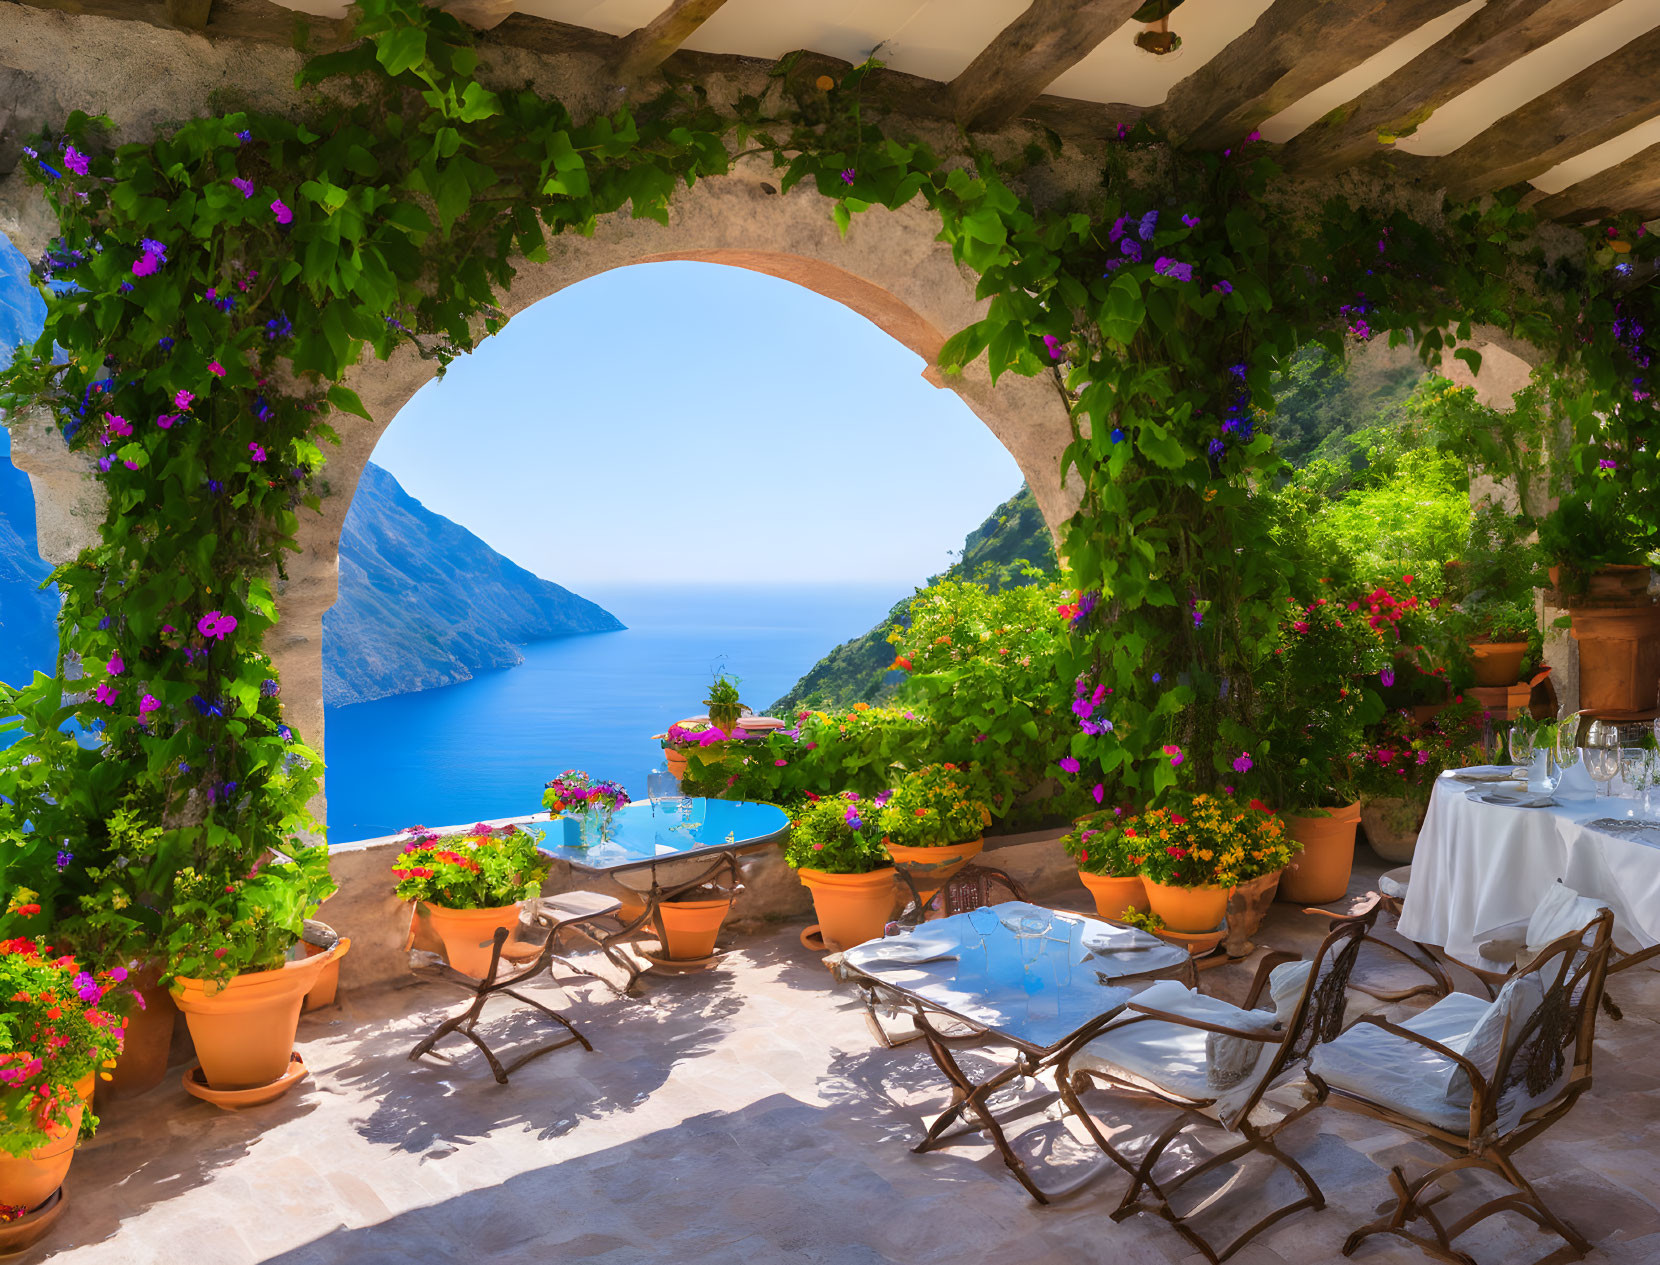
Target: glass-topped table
663	849
1038	980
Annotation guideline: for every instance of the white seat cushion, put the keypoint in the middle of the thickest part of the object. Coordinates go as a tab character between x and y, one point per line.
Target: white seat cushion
1560	911
1483	1044
1156	1052
1396	1073
1394	882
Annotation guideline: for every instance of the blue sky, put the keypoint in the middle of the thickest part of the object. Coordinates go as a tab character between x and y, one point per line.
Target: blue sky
690	421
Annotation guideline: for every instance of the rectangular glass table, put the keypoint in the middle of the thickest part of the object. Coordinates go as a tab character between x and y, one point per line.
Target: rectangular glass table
662	849
1037	981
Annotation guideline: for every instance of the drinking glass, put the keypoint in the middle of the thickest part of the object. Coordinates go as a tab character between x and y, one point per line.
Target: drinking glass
1029	928
984	920
1567	743
1602	754
1521	744
1634	764
1492	745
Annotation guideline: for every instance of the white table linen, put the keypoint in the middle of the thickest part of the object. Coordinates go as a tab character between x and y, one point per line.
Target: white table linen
1480	866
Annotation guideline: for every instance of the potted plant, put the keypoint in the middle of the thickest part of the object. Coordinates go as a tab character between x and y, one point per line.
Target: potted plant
1395	770
836	850
1258	874
1314	697
724	707
589	801
1194	845
1492	588
470	885
692	920
57	1034
237	969
932	823
1109	864
696	740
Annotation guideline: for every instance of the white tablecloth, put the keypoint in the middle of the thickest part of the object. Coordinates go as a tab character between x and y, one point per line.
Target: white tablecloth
1478	867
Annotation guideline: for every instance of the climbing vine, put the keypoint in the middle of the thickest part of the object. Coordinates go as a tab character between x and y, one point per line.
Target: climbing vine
216	285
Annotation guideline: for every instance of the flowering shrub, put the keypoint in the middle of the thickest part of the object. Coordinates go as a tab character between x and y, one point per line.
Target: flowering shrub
220	928
484	868
838	835
1202	839
573	793
1099	846
1403	757
934	806
55	1029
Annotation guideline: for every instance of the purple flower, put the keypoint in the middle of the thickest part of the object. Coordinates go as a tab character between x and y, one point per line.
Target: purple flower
279	327
126	287
1069	763
64	858
106	695
881	798
1242	762
75	160
244	137
183	399
148	704
1192	221
1149	223
1130	248
1117	435
216	625
144	265
1157	677
244	187
116	666
1099	791
104	463
285	733
1175	269
1223	287
259	453
1216	448
281	211
1607	463
1387	677
1087	602
166	420
269	688
1057	349
165	344
104	623
854	820
849	175
1118	227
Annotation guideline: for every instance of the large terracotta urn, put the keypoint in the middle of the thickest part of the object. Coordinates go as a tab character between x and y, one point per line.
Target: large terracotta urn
851	908
469	934
1116	896
1391	824
243	1028
1188	909
929	868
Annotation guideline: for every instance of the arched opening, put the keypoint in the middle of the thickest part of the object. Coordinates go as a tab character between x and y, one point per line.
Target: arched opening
777	469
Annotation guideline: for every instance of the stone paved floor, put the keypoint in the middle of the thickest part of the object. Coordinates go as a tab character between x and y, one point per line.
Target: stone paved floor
740	1115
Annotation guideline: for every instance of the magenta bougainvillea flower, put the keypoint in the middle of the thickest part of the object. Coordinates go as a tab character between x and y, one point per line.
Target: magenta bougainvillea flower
1057	349
1099	791
116	427
1069	763
243	186
281	211
183	399
216	625
166	420
216	369
148	704
107	695
1242	762
1175	754
259	453
116	666
75	160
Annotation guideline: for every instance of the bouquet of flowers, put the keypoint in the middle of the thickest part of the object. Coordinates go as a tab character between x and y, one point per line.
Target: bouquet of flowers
55	1032
933	807
574	793
837	834
485	868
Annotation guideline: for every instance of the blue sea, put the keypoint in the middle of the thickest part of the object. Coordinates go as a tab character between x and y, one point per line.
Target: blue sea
485	748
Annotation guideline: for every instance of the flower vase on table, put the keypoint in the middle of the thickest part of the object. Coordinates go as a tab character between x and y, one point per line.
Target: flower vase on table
590	801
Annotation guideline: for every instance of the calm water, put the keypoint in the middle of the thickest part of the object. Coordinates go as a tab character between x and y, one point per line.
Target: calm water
484	748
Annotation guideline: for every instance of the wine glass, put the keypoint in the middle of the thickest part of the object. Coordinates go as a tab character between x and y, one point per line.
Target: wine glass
984	920
1602	754
1492	744
1521	744
1567	744
1030	927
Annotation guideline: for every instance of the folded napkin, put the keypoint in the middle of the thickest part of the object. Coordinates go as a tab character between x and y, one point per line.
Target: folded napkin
1117	940
1514	798
1488	773
1575	781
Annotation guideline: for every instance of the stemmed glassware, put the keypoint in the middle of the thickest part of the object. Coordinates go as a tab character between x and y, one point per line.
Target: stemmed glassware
1567	744
1030	928
1521	744
1602	754
984	920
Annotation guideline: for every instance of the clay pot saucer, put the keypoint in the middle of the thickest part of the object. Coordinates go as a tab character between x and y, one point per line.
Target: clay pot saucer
236	1099
1198	943
678	966
31	1227
812	939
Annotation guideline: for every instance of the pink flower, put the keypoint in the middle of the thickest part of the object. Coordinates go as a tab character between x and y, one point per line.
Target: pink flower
216	369
148	704
144	265
283	214
1242	762
1300	626
166	420
244	187
1069	763
107	696
75	160
182	399
259	453
116	426
780	763
215	625
1100	792
115	667
1175	754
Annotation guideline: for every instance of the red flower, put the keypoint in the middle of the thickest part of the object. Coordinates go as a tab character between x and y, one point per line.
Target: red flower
902	663
1178	853
27	911
1178	819
1261	807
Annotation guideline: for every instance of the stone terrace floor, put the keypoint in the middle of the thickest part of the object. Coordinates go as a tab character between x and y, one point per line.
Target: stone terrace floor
744	1114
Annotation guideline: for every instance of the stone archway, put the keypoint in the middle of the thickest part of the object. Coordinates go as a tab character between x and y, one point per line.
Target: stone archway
889	268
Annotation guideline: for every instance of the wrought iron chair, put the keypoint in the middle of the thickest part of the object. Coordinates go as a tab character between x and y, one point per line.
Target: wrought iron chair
1168	1054
577	911
1476	1080
1391	899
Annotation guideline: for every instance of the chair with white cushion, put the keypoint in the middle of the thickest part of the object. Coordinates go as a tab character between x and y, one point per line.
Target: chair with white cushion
1477	1080
1214	1062
1391	898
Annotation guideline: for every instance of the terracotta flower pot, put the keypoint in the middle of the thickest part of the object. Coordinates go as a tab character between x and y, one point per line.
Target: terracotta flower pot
1619	584
1391	825
851	908
1113	896
690	926
1188	909
929	868
675	762
327	987
27	1181
1247	907
148	1038
468	934
1619	657
243	1028
1497	662
1319	874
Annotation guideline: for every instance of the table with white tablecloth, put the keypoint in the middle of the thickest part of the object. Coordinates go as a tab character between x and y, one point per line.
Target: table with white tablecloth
1479	866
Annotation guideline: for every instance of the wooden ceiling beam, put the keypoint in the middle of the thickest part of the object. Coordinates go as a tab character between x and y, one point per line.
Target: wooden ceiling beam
647	48
1295	47
1029	54
1596	105
1633	185
1489	40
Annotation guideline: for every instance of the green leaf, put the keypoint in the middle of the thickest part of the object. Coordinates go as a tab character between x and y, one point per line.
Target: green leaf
402	49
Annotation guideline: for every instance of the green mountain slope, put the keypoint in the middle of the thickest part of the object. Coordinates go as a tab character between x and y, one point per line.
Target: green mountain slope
994	553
